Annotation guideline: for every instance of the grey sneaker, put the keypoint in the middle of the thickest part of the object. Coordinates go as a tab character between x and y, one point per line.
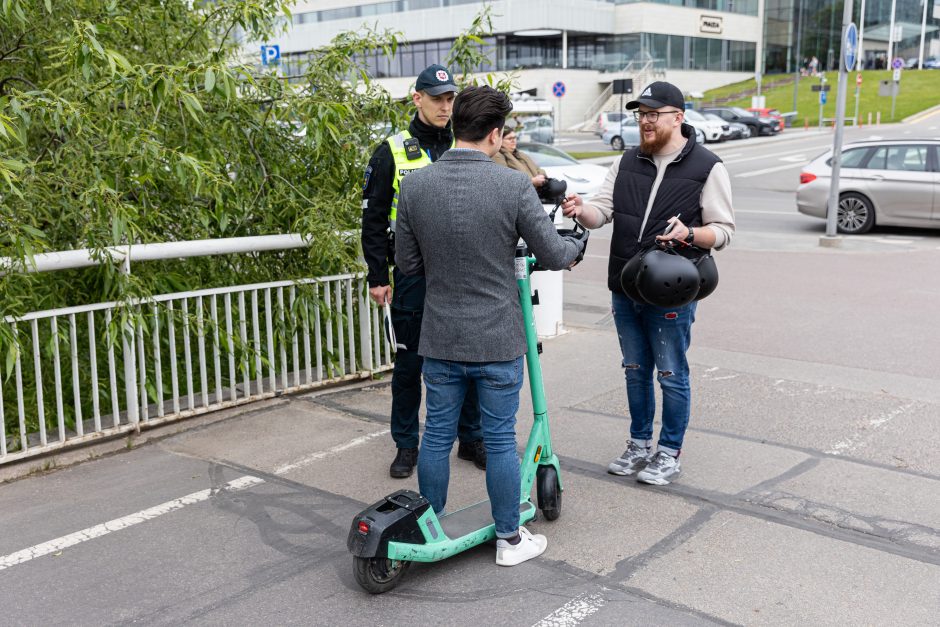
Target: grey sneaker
661	469
633	459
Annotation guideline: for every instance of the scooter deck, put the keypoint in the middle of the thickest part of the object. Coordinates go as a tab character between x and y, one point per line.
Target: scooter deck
461	530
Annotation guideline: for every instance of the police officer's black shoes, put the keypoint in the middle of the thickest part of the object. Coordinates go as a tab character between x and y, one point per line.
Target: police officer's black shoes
474	452
404	463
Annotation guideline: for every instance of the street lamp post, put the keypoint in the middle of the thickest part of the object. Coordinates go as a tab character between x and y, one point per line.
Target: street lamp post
833	207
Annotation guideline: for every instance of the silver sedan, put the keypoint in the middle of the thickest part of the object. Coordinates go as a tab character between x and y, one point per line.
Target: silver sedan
885	182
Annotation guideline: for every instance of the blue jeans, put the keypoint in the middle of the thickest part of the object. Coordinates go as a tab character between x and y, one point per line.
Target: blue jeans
651	337
498	384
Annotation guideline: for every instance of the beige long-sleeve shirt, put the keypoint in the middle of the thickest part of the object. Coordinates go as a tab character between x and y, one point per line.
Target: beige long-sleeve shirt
717	211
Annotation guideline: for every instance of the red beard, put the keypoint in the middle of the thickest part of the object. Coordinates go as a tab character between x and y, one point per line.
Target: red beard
656	144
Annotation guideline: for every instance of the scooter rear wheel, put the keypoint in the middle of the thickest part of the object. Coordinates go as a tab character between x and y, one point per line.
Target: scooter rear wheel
378	574
549	492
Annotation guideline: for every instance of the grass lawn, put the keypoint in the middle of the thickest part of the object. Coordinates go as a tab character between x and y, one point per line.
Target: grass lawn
920	89
592	155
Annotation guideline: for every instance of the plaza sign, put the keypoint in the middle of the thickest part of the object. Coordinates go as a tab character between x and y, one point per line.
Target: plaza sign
710	24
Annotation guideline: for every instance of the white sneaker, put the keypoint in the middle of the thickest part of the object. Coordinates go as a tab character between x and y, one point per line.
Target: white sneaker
661	469
530	545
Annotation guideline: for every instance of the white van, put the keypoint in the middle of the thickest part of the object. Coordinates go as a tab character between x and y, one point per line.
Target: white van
534	119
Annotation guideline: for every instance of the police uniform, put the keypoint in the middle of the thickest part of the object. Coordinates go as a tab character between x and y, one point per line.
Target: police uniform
402	153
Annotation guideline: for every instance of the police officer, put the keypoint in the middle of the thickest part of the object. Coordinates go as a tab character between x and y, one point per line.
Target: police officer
428	136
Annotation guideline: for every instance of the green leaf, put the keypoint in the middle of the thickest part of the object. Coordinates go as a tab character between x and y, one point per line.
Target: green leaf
210	79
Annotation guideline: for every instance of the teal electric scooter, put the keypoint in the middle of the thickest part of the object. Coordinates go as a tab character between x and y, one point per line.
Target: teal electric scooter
403	528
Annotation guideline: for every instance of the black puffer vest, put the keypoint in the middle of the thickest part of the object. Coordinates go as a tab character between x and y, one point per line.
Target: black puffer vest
680	193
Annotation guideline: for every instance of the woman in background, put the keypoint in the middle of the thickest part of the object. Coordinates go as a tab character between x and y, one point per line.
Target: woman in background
511	157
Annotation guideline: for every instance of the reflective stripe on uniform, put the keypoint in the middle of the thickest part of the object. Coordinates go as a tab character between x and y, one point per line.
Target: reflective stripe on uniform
403	166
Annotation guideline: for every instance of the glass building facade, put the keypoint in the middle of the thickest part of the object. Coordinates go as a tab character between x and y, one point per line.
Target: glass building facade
795	31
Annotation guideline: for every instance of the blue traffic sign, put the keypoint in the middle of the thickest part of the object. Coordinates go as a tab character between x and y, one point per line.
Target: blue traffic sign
897	64
558	89
850	46
270	55
823	97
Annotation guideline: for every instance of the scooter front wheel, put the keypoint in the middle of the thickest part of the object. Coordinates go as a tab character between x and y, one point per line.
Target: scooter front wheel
549	492
378	574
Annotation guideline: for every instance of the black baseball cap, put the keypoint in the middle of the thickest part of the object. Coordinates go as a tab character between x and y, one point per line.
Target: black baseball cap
434	80
658	95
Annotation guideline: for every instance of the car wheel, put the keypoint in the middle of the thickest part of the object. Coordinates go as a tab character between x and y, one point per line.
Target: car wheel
856	214
616	142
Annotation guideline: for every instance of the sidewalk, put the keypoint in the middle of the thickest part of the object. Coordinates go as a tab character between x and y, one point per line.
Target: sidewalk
809	493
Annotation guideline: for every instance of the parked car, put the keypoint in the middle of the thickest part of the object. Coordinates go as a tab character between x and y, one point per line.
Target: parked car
769	114
612	120
540	129
726	132
622	134
699	136
712	130
932	63
583	178
743	116
885	182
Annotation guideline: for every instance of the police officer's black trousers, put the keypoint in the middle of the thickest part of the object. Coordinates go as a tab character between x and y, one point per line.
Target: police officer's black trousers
407	310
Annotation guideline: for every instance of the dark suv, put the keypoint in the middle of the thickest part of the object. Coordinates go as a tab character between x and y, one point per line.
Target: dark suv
758	126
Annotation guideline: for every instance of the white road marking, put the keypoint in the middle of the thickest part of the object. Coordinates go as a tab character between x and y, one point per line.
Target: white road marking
851	443
794	158
802	150
117	524
768	170
574	611
770	213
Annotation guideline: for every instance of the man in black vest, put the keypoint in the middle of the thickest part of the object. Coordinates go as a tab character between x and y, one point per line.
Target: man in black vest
669	189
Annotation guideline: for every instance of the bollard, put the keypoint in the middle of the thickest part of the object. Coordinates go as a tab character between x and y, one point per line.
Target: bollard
805	124
869	118
878	119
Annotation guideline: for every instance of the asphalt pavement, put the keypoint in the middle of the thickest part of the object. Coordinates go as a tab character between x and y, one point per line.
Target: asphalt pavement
810	490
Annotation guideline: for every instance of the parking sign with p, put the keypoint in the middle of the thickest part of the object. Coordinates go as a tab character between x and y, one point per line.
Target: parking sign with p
270	55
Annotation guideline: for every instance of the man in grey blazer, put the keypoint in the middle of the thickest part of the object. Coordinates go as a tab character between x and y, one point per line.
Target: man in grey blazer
459	220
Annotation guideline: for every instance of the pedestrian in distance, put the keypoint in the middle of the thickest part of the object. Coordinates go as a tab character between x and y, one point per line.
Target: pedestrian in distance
512	157
672	191
427	138
459	222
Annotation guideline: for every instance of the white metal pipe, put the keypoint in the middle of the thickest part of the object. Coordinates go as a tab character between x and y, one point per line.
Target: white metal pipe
76	384
350	328
201	346
216	349
295	344
256	341
142	372
157	363
112	370
174	374
318	345
3	424
128	342
187	358
18	368
923	35
305	309
891	42
37	368
243	328
329	329
84	258
57	377
93	361
270	329
230	342
283	339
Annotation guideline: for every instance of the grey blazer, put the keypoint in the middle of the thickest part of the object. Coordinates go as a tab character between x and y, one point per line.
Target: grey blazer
459	220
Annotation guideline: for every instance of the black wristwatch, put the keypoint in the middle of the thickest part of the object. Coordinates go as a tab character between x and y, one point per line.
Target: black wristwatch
690	237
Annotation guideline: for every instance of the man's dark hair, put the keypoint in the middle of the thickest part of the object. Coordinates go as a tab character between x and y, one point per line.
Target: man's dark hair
477	111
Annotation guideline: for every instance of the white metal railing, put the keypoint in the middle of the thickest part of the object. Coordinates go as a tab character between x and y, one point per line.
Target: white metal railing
640	69
177	355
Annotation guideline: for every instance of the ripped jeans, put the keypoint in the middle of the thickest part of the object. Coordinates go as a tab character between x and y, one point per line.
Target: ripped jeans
654	337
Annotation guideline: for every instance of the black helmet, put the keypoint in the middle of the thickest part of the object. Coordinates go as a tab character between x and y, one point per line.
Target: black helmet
666	279
628	277
708	276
